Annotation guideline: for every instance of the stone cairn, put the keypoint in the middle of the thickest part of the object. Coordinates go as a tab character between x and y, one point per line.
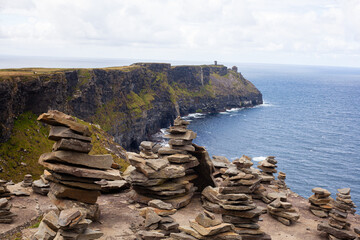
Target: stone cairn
283	211
236	208
158	223
221	164
167	174
338	227
268	168
207	225
5	215
27	182
72	173
320	202
280	183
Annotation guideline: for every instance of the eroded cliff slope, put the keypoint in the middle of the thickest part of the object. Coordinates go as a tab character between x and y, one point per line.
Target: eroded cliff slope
130	103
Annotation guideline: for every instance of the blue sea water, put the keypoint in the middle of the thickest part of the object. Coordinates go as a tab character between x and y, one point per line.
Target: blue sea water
310	121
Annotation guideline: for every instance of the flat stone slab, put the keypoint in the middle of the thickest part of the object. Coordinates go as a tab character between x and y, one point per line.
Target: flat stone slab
92	161
85	196
223	227
178	158
72	145
111	174
344	191
56	118
341	234
157	164
189	135
59	132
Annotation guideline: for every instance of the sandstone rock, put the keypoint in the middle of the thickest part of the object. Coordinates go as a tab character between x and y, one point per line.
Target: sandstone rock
178	158
51	219
189	135
188	148
344	191
179	142
321	191
116	185
62	191
157	164
112	174
156	203
59	132
56	118
150	235
90	234
44	232
341	234
147	145
70	217
151	217
209	231
319	213
206	221
92	161
72	145
181	236
220	161
170	151
82	185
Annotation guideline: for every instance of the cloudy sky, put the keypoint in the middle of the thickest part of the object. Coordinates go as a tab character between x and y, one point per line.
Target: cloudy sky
311	32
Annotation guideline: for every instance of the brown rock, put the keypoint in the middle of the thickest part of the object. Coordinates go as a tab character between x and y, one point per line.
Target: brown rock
62	191
204	220
344	191
112	174
91	161
178	158
157	164
52	220
179	142
341	234
72	145
151	217
209	231
157	203
189	135
56	118
59	132
70	217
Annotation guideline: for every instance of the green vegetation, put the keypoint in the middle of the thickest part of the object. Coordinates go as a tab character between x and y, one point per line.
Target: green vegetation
84	76
139	103
37	222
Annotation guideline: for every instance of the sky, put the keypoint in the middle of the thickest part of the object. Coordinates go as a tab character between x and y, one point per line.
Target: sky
305	32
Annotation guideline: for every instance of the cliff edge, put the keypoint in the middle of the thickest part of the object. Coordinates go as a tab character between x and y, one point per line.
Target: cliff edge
130	103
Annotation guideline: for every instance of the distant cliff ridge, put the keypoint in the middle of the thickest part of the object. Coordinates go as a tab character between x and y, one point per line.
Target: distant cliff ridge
130	102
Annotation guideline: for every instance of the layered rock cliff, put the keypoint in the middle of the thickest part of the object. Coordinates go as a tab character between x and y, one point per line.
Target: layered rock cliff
131	102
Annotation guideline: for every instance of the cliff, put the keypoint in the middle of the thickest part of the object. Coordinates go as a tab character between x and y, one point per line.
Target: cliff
130	103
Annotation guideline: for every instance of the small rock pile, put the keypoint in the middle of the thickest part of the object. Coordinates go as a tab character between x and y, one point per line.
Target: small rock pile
320	202
27	182
221	164
41	186
338	226
283	211
4	191
237	209
5	215
166	174
268	168
280	183
241	177
158	224
69	224
207	226
72	174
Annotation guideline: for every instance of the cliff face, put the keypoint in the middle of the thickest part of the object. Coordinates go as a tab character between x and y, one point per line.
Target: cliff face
130	102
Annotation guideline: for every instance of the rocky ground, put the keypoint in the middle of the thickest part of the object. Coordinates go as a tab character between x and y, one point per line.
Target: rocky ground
120	218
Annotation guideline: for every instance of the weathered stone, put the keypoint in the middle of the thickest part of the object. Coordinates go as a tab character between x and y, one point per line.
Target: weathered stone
147	145
49	175
56	118
62	191
72	145
137	178
116	185
179	142
319	213
181	236
157	203
211	194
238	207
112	174
344	191
204	220
92	161
170	171
191	232
341	234
220	161
188	148
209	231
319	201
52	220
59	132
243	162
178	158
267	169
321	191
148	155
239	220
158	211
189	135
182	201
170	151
89	186
70	217
168	186
177	129
173	226
157	164
44	232
215	208
151	217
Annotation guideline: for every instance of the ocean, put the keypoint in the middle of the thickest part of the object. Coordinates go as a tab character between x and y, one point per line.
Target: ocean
310	120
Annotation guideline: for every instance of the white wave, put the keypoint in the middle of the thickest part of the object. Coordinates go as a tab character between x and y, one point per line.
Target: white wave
233	109
224	112
258	159
194	115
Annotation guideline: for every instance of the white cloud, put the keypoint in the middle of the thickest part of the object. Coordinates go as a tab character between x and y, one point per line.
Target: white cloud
167	29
